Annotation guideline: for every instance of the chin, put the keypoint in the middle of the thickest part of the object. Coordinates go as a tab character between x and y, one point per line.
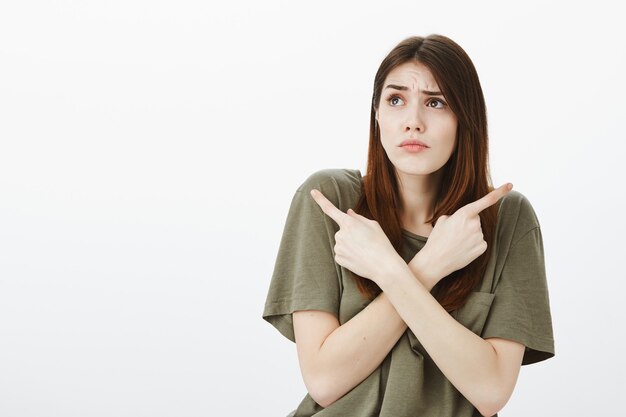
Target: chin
416	170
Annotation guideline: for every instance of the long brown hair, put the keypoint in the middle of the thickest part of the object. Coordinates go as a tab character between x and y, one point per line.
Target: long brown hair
465	176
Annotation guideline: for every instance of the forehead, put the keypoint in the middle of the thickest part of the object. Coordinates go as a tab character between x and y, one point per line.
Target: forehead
412	74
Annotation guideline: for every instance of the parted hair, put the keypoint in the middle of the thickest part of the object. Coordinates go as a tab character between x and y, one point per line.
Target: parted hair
465	177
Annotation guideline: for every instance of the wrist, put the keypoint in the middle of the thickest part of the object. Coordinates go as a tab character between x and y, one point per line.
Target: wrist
424	273
389	270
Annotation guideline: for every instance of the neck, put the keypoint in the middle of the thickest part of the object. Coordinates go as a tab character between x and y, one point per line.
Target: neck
418	194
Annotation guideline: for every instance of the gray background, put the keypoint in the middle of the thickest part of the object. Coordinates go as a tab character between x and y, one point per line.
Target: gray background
149	151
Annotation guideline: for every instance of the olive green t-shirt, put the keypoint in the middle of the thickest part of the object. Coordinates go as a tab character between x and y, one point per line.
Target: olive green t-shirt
511	302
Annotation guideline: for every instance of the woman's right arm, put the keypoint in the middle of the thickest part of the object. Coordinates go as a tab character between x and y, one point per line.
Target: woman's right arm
335	358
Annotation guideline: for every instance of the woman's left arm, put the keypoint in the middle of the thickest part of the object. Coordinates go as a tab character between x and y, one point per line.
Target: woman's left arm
485	371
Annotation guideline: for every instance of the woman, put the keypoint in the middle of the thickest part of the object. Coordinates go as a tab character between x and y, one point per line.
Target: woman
417	289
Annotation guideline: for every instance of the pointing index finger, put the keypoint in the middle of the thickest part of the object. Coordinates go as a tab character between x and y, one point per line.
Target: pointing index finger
489	199
328	207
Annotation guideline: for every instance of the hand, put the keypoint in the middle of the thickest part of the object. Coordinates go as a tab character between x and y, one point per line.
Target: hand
361	245
456	240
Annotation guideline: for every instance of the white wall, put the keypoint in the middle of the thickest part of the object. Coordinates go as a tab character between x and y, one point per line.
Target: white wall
149	151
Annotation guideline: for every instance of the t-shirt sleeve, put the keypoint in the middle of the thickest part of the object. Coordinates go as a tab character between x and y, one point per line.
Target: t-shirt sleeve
306	276
521	306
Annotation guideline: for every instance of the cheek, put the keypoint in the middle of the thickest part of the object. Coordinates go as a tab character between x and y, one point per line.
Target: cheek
388	122
449	126
384	125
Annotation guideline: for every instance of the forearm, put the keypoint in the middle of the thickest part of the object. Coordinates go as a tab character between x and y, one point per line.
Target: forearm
468	361
356	348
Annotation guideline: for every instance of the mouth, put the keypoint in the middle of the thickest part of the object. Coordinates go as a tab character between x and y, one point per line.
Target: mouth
414	148
414	143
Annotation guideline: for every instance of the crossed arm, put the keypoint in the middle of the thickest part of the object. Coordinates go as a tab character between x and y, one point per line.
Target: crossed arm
485	371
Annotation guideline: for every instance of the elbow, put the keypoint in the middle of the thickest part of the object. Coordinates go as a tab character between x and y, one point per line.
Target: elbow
317	390
484	412
488	410
319	397
322	393
324	402
491	406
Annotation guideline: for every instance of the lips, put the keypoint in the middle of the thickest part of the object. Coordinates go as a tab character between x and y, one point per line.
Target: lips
414	142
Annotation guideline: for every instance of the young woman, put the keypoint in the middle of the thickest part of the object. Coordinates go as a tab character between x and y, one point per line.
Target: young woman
417	289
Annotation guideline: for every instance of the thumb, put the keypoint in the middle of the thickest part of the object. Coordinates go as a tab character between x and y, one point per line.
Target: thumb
356	215
353	213
441	219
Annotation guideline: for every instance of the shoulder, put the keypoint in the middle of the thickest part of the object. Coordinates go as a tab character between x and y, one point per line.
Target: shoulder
340	186
332	180
517	214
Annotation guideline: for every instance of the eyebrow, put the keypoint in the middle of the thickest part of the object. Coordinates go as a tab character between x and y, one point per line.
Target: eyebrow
404	88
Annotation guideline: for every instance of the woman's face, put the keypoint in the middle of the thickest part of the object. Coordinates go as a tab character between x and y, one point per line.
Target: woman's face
412	107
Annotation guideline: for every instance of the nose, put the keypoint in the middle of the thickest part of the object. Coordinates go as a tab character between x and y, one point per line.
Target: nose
414	119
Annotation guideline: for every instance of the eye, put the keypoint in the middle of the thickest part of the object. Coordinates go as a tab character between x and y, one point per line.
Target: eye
393	100
439	104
